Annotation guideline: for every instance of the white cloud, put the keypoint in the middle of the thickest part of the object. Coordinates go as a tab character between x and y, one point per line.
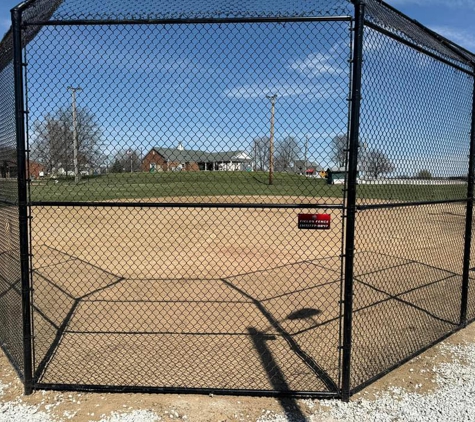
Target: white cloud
252	91
456	4
464	38
317	64
329	61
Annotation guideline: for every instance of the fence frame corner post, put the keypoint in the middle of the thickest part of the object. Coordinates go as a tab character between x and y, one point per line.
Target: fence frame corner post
357	64
468	217
16	15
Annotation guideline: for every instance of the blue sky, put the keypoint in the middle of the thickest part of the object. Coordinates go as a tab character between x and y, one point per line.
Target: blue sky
208	95
455	19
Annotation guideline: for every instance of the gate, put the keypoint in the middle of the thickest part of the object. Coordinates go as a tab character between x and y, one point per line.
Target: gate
167	251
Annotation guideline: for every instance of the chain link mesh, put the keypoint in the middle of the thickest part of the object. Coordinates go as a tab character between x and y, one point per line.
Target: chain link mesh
184	10
471	283
387	18
174	173
414	148
10	283
166	247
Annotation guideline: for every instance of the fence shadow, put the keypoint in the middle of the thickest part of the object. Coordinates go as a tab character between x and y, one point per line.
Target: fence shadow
275	375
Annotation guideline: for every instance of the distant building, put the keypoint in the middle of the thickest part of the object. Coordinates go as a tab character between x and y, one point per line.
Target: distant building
181	159
8	169
35	169
308	168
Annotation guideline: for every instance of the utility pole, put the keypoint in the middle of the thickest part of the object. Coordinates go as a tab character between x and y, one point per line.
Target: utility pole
307	137
77	176
130	154
272	99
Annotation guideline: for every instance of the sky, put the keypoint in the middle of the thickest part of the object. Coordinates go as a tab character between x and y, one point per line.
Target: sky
207	88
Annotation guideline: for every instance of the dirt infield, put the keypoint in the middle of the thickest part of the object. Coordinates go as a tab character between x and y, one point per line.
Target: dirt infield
235	298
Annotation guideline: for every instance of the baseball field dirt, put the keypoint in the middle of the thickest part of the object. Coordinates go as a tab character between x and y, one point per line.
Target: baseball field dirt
236	298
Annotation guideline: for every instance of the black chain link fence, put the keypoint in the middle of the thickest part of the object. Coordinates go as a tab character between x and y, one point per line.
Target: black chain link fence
11	331
191	194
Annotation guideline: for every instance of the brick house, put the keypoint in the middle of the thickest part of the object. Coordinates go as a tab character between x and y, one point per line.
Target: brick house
8	169
36	169
181	159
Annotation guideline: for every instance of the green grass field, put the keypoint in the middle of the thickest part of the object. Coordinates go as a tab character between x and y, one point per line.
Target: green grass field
199	184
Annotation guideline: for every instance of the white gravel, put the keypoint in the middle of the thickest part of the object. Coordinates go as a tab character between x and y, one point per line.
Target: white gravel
15	412
135	416
453	400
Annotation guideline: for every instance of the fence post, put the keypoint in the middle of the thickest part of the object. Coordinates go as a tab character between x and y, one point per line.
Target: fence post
357	61
22	199
468	219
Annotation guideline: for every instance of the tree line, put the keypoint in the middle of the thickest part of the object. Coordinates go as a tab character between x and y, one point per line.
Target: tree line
287	151
53	147
372	162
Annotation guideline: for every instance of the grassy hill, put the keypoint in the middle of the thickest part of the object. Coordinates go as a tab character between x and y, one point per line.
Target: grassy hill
199	184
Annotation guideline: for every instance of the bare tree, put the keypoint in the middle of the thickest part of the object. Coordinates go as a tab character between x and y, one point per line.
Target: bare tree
261	153
377	163
53	142
126	161
339	147
424	174
288	150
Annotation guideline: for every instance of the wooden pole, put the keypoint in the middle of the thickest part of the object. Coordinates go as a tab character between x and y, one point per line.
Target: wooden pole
272	99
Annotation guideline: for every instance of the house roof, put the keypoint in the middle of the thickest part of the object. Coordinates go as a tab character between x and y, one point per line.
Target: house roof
188	155
310	164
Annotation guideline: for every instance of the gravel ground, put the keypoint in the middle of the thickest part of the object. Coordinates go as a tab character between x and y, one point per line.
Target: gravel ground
453	400
449	368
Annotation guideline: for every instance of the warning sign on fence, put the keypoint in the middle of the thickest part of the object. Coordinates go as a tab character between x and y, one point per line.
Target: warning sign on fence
314	221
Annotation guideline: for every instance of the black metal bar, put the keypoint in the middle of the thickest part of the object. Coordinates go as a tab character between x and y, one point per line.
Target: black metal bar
408	204
416	47
276	19
357	61
175	390
181	205
22	200
468	220
24	5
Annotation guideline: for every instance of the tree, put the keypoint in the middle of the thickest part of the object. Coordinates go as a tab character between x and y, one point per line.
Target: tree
339	147
424	174
377	163
117	167
127	161
53	143
288	151
261	153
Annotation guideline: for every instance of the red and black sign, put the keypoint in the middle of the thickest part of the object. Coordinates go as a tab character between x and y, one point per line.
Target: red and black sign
314	221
